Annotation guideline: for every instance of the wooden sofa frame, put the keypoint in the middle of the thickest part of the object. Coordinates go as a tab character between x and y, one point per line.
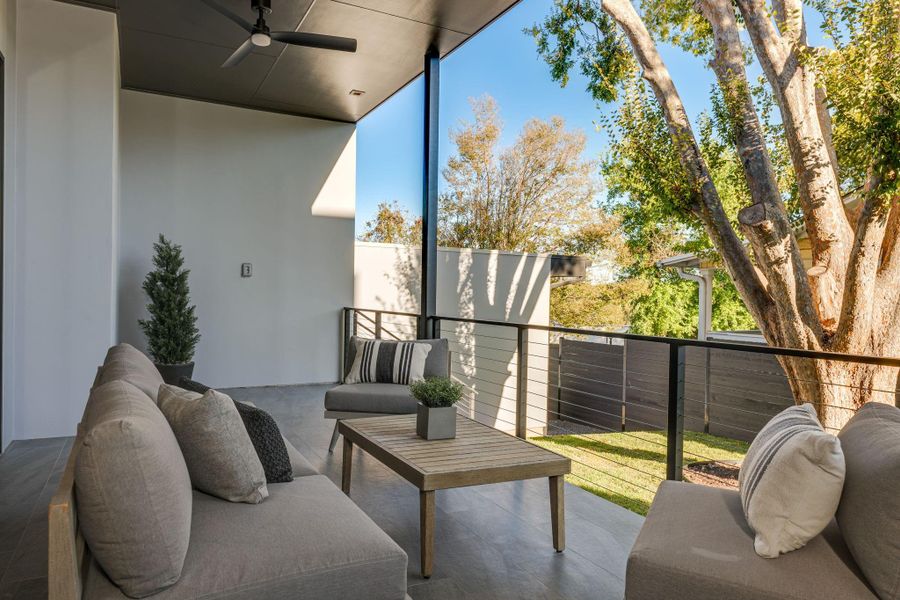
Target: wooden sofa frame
68	555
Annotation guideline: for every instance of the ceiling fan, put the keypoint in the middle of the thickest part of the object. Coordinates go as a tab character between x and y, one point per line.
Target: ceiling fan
261	36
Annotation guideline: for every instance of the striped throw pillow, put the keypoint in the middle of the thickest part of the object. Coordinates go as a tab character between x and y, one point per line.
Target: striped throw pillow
791	481
379	361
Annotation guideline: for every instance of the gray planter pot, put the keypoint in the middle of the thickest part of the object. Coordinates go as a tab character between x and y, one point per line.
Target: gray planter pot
436	423
172	374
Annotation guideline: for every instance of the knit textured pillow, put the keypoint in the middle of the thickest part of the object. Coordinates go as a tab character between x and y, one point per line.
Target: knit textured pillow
379	361
264	433
791	481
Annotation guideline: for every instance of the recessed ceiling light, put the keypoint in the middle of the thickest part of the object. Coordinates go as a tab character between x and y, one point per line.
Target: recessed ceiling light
356	92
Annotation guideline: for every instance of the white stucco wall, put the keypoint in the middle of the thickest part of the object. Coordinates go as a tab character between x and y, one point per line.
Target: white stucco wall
60	197
487	285
8	48
231	186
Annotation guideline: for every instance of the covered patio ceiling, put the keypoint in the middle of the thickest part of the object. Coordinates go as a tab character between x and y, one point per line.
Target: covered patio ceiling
176	47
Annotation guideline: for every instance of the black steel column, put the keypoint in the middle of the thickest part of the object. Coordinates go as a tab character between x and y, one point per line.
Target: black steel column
675	420
428	293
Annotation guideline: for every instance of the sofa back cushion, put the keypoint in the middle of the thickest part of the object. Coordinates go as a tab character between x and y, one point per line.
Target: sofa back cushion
791	481
437	363
127	363
133	490
870	504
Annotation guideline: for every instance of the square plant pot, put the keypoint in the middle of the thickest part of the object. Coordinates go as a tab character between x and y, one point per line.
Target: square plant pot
436	423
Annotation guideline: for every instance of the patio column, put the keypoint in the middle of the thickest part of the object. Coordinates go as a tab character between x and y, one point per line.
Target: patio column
430	195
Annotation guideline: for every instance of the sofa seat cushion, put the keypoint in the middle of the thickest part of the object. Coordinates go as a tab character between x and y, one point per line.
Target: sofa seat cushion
307	540
126	363
386	398
695	543
300	465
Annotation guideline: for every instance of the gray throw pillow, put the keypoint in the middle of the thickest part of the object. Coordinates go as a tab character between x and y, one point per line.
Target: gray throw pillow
133	490
869	512
791	481
220	457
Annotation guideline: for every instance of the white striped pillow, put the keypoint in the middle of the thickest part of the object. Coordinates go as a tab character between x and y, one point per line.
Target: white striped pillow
379	361
791	481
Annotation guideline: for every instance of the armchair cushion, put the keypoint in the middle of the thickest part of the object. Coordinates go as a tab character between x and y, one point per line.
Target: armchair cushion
383	398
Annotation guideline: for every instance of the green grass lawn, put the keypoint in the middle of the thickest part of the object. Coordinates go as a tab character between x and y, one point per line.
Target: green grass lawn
626	468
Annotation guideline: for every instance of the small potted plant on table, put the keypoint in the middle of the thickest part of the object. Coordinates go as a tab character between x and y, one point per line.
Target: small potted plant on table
171	330
436	411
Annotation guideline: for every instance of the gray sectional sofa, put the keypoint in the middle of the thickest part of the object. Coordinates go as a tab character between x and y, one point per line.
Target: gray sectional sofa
306	540
355	400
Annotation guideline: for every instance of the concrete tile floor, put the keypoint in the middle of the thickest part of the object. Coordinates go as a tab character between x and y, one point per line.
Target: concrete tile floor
492	542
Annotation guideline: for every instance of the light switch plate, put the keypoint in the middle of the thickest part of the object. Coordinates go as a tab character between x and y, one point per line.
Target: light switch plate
246	270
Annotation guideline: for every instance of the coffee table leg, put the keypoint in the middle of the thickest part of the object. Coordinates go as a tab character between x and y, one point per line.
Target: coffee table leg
558	512
346	466
426	531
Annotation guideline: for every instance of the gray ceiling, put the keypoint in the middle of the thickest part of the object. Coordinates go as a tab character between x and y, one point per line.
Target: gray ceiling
176	46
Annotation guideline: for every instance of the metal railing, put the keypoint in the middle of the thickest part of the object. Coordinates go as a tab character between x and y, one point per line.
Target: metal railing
531	380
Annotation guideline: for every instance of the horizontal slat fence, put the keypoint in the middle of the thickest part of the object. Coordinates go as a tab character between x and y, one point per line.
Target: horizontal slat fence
625	386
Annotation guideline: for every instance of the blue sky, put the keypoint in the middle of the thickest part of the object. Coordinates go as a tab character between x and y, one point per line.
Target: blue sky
501	61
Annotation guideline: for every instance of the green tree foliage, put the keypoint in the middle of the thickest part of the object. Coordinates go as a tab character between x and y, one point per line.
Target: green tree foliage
863	83
650	194
171	330
671	308
393	225
605	306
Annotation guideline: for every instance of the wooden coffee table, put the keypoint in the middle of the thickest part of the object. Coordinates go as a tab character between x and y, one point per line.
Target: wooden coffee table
478	455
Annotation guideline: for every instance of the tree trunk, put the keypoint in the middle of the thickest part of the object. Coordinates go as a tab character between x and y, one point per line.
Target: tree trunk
838	389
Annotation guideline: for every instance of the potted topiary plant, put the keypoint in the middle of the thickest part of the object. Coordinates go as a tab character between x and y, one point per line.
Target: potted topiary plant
436	411
171	330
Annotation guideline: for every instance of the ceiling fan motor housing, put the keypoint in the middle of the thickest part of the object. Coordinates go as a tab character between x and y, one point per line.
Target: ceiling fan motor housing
261	5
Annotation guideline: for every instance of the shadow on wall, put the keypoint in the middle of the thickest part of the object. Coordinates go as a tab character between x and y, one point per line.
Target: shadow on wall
487	285
233	186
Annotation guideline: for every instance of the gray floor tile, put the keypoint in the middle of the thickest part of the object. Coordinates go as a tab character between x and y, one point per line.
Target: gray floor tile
31	589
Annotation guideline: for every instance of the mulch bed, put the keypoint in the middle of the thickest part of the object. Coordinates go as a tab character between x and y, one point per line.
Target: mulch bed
722	474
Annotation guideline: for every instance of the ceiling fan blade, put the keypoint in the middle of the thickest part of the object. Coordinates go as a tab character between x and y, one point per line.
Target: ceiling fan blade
315	40
240	54
245	25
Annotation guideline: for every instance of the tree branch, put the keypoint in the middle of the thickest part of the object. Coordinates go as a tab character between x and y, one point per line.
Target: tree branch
709	205
857	311
765	223
789	17
779	256
795	92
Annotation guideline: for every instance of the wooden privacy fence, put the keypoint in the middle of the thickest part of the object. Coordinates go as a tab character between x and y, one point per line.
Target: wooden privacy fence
622	385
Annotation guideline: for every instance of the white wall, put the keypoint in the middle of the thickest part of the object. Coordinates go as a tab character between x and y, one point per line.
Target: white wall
8	48
488	285
60	209
233	185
